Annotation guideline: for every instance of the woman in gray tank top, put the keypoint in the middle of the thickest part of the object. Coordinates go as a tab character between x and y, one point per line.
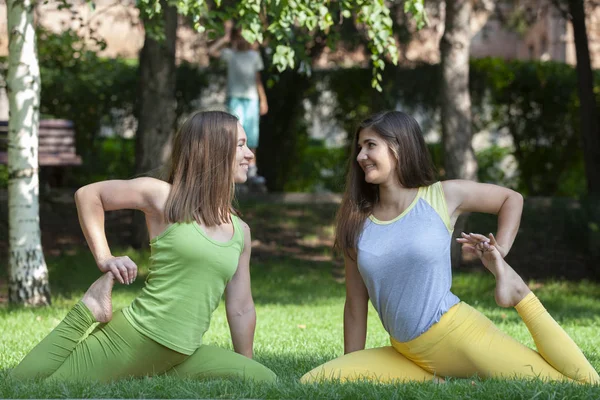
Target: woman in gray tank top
395	229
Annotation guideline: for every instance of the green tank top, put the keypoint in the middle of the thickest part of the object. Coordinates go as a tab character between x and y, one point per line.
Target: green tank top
187	278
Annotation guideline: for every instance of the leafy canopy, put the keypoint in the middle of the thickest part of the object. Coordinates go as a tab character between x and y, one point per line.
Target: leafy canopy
281	22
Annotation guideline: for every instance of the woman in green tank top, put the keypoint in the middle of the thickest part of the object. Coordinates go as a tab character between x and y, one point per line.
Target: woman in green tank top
200	250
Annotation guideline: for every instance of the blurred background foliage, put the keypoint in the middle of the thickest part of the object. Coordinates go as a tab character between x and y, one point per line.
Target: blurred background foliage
535	103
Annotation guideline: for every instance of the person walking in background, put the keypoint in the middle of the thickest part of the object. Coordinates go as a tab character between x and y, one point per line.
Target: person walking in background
246	97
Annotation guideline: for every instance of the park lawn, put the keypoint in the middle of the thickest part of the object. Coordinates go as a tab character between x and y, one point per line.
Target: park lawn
299	295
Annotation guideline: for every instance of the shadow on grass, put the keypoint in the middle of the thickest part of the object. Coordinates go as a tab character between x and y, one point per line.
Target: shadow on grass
286	281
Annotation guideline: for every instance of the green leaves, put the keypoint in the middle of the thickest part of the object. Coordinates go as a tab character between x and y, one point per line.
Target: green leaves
282	22
375	16
283	58
417	9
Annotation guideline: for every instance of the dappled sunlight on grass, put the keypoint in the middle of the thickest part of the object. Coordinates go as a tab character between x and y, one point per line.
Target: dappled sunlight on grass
299	292
299	326
292	282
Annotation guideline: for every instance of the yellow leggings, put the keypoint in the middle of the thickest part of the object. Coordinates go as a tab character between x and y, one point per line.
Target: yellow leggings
465	343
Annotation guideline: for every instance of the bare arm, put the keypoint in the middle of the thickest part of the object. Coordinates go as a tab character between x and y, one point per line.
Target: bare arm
239	304
145	194
355	309
467	196
214	50
262	96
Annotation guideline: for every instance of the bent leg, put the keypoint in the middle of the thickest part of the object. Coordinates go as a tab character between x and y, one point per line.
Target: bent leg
54	349
465	343
116	350
553	343
215	362
383	364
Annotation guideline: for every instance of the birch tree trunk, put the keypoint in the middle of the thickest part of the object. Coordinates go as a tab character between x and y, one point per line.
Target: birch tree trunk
28	274
459	157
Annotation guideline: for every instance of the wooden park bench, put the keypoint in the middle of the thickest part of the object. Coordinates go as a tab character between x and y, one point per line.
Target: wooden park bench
56	146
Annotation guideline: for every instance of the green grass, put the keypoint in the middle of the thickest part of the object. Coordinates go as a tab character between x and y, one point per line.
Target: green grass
299	304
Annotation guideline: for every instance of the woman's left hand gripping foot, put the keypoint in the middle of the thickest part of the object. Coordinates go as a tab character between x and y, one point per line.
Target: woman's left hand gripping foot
510	288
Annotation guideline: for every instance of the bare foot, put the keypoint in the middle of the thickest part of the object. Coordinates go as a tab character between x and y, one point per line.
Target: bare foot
98	298
510	288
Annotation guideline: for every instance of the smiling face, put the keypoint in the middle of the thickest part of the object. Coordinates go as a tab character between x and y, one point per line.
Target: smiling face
375	158
243	156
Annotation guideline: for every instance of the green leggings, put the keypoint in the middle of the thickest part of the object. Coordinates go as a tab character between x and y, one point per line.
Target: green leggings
116	350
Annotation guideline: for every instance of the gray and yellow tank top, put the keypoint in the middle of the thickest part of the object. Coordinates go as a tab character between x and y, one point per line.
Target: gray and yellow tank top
187	277
405	264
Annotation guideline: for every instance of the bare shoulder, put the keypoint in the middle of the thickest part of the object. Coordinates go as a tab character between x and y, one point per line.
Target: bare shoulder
245	226
453	185
468	196
153	184
155	191
150	182
246	232
157	186
457	189
453	188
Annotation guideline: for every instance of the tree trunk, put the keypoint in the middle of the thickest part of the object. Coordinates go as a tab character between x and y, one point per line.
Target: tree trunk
156	108
589	117
590	136
459	157
28	274
279	150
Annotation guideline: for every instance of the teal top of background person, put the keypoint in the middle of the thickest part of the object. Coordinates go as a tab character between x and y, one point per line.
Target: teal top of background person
406	265
187	278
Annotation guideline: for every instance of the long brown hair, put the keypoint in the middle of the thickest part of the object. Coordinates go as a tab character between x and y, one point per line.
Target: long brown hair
414	169
201	169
